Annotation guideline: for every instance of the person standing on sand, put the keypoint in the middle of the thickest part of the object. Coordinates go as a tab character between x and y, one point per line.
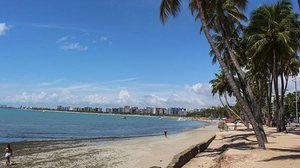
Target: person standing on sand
235	124
166	132
8	154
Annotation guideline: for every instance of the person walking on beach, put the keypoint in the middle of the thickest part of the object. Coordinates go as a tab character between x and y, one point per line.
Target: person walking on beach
166	132
8	154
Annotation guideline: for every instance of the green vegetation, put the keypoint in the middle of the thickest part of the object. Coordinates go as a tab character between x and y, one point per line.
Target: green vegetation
212	113
256	61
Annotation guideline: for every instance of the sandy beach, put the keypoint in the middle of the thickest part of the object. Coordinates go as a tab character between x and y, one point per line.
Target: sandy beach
141	152
236	149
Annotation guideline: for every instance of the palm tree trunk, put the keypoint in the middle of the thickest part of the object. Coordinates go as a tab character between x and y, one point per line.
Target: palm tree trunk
258	114
236	64
269	101
221	101
245	122
233	85
248	93
232	111
244	81
283	128
275	78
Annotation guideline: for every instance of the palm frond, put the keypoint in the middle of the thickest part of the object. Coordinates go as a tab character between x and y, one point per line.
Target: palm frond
169	7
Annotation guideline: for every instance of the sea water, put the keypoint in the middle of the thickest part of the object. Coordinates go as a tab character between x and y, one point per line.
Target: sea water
30	125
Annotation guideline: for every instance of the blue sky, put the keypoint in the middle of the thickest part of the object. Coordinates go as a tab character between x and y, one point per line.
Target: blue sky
102	53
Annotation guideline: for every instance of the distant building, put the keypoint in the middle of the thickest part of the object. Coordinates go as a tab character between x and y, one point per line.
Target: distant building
3	106
77	109
134	109
61	108
176	111
88	109
115	110
98	109
126	109
120	110
108	110
150	110
160	111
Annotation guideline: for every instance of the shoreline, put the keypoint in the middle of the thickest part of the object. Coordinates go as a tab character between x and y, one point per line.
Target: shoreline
125	152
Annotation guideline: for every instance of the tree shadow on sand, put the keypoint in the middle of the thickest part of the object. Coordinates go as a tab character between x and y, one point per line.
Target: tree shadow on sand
296	150
209	152
294	130
240	137
282	157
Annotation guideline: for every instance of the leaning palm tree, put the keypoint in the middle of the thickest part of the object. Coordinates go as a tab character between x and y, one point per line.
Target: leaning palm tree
220	85
273	35
203	9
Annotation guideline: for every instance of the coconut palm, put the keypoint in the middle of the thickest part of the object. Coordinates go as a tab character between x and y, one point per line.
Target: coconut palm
221	86
203	9
273	34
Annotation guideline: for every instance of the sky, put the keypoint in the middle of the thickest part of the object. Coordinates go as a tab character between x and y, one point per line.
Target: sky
103	54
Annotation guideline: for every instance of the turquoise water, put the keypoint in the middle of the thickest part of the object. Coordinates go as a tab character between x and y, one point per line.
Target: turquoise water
29	125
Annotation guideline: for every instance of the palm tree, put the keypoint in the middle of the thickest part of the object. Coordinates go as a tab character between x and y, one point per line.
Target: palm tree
221	86
172	7
273	34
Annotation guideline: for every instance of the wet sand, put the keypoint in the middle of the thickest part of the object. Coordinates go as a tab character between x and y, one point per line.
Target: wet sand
142	152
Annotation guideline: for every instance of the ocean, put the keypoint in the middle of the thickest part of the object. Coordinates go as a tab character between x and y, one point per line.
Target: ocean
32	125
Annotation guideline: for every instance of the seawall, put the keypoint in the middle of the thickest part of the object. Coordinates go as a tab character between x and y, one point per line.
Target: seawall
183	157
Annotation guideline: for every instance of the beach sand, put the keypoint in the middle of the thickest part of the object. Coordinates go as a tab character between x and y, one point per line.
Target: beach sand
141	152
238	149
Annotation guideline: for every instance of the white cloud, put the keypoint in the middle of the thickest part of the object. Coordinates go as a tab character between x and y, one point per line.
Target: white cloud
96	99
51	83
154	100
67	27
120	80
103	38
123	95
105	95
3	28
74	46
62	39
199	88
32	97
67	43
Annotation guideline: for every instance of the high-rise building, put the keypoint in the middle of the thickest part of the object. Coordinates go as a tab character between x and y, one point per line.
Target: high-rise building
126	109
108	110
134	109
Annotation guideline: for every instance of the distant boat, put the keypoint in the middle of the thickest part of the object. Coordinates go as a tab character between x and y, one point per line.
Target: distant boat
124	117
43	110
